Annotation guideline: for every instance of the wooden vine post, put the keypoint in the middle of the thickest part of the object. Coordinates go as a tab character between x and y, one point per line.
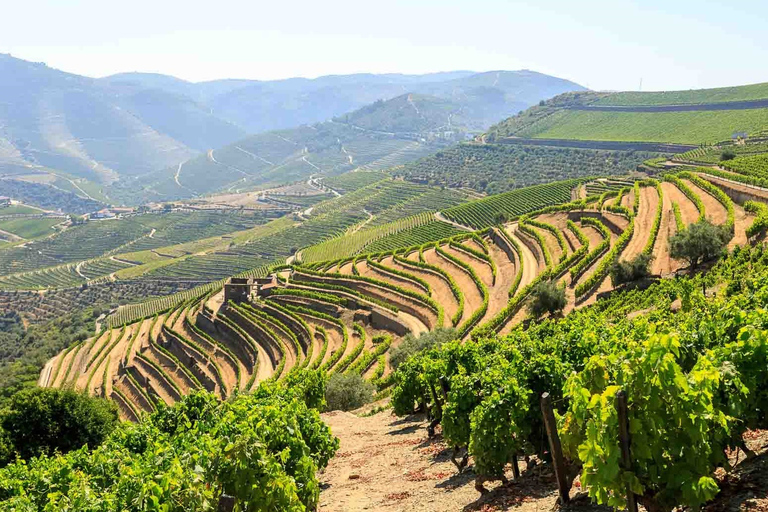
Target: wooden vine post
555	448
226	503
626	457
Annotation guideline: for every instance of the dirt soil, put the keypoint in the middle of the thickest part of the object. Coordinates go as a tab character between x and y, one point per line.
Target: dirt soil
389	464
441	291
646	214
472	297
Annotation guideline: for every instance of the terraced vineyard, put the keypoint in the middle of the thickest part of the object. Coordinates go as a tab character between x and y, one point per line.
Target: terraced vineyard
345	314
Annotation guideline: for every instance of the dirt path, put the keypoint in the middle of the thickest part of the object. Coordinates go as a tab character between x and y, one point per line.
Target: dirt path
530	262
388	464
628	199
742	221
472	297
531	269
646	215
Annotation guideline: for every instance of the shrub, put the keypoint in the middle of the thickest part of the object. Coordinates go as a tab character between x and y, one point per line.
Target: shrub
43	421
347	391
547	297
699	242
412	345
726	155
632	270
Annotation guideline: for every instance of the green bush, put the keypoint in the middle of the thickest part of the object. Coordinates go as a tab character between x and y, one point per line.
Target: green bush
412	345
632	270
547	297
347	391
44	421
699	242
726	155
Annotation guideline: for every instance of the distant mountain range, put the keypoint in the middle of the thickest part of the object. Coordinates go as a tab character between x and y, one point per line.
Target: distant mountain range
87	135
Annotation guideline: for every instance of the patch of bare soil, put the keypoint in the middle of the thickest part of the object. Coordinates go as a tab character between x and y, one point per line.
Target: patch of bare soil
441	290
714	211
662	261
742	221
551	242
688	210
481	268
498	297
745	487
472	297
628	199
389	464
530	271
646	214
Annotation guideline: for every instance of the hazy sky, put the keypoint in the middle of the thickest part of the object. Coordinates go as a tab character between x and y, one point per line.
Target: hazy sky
669	44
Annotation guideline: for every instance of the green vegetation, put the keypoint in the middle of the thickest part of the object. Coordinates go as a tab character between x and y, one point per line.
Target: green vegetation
547	297
673	127
756	165
760	225
683	413
482	213
627	271
688	97
496	168
263	449
699	242
43	422
347	391
30	227
412	345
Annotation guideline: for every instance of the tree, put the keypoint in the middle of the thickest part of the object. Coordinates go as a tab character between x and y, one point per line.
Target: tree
347	391
44	421
632	270
699	242
501	218
412	345
547	297
726	155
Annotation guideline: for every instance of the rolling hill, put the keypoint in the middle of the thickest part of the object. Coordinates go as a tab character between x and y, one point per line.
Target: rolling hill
677	117
384	134
128	138
259	106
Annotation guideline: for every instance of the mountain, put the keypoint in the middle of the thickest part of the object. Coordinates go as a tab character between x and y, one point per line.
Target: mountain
259	106
81	126
110	138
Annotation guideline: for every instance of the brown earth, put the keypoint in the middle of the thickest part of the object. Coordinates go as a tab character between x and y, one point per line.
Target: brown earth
387	463
472	297
441	290
646	214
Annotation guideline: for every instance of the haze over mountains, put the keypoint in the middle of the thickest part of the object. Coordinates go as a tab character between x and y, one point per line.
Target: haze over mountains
83	134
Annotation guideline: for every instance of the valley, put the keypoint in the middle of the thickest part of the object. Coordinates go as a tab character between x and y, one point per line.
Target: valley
422	286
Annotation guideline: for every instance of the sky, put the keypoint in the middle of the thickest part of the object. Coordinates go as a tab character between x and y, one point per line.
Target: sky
603	45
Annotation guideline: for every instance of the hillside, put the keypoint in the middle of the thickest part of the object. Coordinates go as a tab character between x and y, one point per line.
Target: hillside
347	300
260	106
124	138
382	135
77	125
678	117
